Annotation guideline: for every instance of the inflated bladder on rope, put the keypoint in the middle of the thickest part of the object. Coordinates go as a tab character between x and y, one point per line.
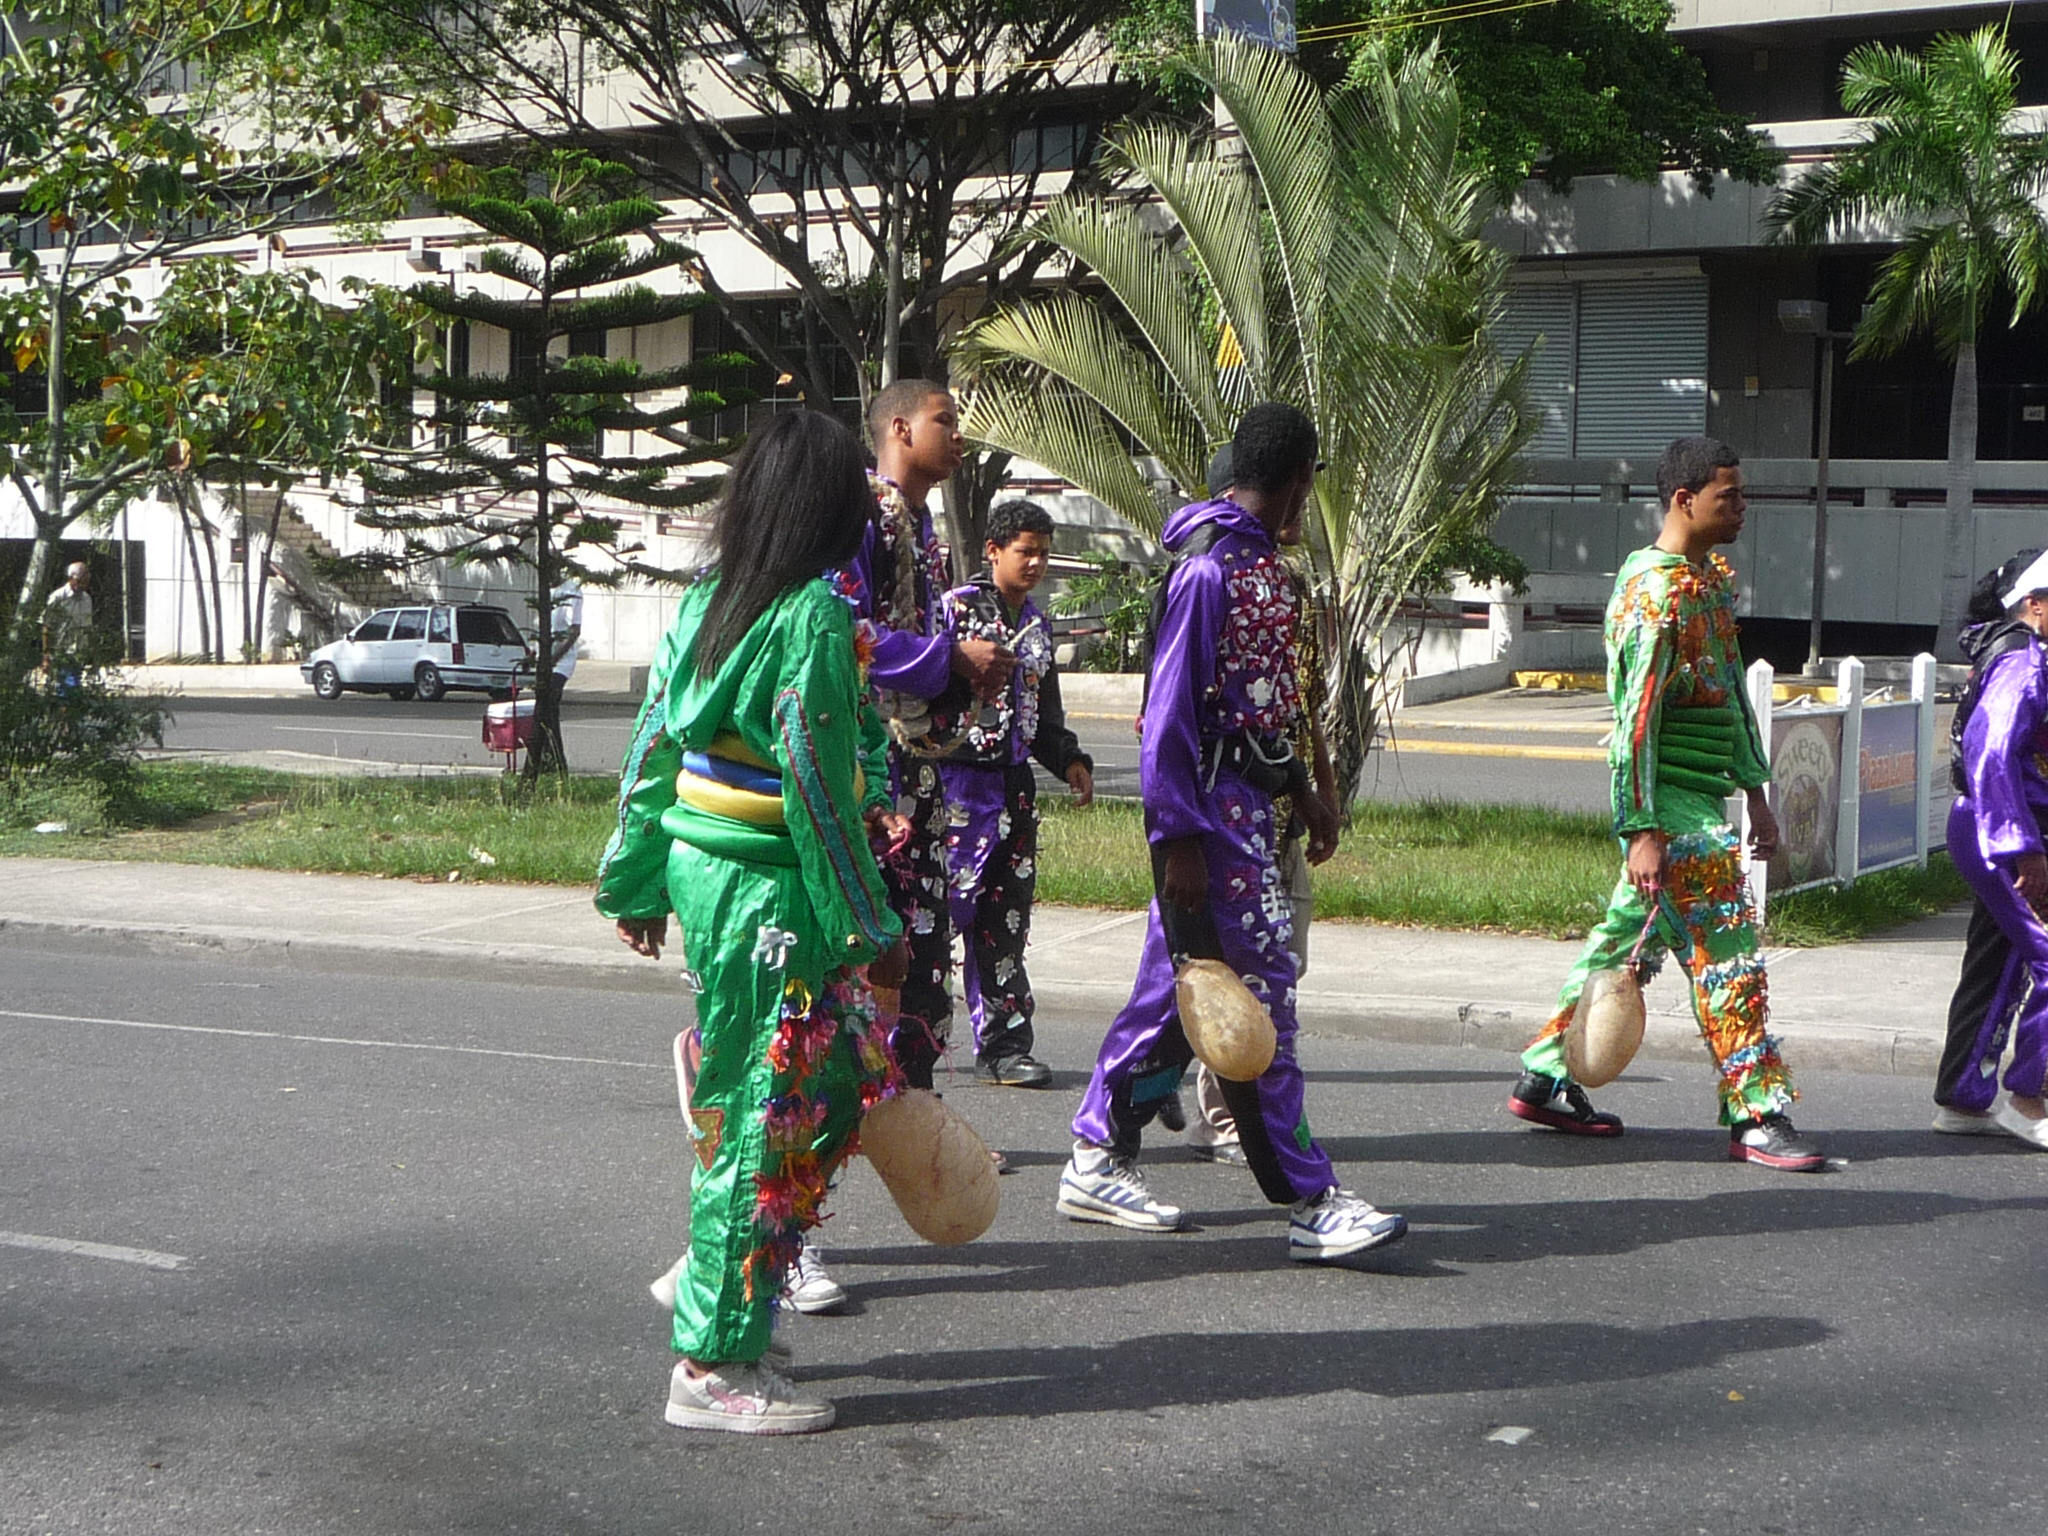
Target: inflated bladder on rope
1606	1028
1227	1027
937	1170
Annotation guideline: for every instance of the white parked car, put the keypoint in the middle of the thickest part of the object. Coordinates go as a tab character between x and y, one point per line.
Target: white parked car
422	651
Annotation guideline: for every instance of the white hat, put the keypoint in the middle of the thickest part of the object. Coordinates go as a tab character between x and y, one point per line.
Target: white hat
2033	579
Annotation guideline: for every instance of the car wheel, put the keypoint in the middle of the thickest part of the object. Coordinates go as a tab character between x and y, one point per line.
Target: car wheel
401	694
326	681
426	681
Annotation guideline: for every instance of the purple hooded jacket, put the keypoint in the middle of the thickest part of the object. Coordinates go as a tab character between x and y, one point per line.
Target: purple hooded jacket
2003	747
1223	663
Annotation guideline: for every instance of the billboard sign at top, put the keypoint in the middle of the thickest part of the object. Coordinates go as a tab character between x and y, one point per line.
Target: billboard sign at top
1267	22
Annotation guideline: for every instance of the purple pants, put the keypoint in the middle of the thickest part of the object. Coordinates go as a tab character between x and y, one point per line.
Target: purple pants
1145	1053
992	874
2019	1007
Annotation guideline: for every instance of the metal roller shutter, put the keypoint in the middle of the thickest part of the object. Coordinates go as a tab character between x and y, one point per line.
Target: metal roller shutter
1642	364
1541	319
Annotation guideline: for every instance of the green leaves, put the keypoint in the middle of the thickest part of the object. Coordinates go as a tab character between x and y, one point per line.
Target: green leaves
1333	260
1948	168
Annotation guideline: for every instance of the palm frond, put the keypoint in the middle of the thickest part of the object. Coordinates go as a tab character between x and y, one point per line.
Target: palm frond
1064	432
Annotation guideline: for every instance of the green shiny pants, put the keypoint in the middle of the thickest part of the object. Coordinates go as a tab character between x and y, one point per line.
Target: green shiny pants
791	1059
1705	921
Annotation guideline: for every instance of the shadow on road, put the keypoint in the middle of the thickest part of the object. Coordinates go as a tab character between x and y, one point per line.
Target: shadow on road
1171	1369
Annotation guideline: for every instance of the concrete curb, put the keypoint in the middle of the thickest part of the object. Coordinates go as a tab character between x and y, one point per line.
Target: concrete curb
1408	1019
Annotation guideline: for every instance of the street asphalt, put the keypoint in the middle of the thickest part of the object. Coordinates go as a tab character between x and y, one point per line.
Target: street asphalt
370	1256
1535	750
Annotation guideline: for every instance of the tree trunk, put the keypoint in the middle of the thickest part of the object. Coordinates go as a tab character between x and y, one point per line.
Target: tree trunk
1958	564
964	500
263	571
220	639
28	605
546	753
192	556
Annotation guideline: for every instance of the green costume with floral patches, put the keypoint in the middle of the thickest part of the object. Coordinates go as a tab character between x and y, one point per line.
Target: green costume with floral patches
740	811
1684	740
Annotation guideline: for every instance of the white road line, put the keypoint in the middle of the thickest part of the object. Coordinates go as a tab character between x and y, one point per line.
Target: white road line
349	730
381	1045
142	1256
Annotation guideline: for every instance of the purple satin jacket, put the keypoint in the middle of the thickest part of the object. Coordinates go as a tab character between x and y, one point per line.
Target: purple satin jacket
908	656
2003	754
1224	661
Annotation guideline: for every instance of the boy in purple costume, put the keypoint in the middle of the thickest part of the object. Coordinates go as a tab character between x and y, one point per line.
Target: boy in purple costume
1995	838
992	797
894	583
1222	703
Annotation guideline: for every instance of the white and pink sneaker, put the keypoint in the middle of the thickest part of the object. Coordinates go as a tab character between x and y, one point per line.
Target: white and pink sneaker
743	1399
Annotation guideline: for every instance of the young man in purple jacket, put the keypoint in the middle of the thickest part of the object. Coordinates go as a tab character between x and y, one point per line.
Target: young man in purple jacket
992	796
1223	702
895	583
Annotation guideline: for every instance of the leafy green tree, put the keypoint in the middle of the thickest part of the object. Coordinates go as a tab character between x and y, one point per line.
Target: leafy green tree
1333	261
1121	597
517	463
1948	166
251	378
1558	91
107	175
879	156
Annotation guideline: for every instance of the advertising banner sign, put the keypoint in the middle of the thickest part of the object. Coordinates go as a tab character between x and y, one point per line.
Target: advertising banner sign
1806	757
1268	22
1885	815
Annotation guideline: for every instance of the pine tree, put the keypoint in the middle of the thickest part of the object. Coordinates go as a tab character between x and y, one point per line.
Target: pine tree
515	460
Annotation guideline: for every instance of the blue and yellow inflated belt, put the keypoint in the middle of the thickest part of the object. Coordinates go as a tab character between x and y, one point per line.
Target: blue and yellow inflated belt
733	782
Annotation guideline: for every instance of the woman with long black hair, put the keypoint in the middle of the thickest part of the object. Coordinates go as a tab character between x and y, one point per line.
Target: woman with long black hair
740	811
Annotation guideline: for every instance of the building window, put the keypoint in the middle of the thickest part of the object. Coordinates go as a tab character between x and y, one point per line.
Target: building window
1045	147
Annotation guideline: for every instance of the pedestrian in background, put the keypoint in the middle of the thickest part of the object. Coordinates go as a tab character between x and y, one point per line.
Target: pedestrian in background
67	625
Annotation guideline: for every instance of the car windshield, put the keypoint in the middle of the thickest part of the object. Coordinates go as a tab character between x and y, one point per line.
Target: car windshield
486	626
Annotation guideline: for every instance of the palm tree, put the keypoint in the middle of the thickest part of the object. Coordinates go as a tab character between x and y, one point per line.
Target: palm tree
1329	256
1946	165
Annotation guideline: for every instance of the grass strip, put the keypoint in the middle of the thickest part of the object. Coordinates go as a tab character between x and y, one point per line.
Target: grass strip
1516	869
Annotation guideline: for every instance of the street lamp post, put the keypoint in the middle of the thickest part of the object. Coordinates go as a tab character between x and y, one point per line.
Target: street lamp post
1809	317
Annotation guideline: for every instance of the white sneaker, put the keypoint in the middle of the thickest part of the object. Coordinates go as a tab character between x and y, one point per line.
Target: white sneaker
2009	1120
809	1289
1098	1187
1960	1122
747	1399
1337	1222
664	1289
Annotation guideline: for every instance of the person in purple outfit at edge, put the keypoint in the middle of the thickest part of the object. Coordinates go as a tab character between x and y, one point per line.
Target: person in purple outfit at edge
992	795
1222	703
895	583
1995	839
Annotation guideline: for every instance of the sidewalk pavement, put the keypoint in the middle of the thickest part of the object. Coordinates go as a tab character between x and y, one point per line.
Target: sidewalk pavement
1876	1006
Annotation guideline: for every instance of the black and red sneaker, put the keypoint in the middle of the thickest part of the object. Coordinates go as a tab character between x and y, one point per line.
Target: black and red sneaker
1773	1141
1561	1104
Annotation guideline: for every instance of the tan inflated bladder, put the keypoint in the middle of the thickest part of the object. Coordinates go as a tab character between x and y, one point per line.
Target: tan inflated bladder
1606	1028
1227	1027
937	1169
